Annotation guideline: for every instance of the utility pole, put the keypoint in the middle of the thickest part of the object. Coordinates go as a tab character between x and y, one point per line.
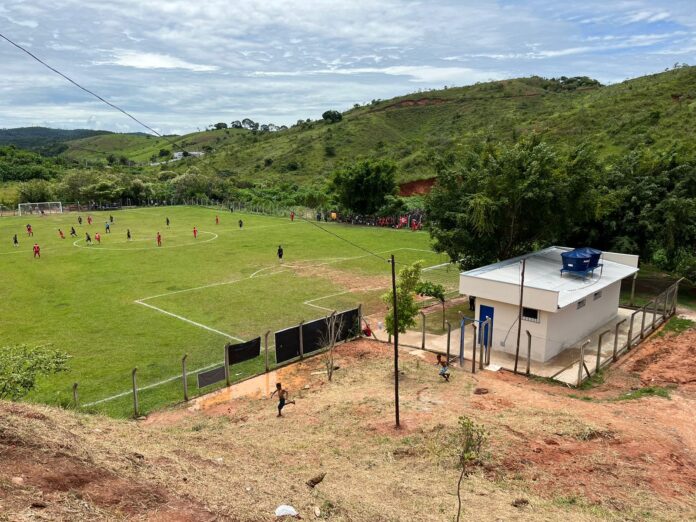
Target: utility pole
519	315
396	344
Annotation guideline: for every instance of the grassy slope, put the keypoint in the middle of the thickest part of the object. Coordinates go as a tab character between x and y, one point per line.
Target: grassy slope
614	119
82	299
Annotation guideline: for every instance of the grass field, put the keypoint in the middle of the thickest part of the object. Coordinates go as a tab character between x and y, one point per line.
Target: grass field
121	305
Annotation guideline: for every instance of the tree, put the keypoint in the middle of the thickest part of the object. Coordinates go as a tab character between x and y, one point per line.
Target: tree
219	126
236	124
364	186
332	116
34	191
21	366
468	442
430	289
164	153
329	336
408	280
502	201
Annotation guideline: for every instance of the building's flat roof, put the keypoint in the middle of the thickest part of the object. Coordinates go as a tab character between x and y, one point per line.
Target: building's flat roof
542	271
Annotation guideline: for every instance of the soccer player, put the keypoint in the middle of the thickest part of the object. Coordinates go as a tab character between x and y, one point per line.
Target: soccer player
167	222
89	220
88	238
195	232
111	218
15	241
282	398
37	250
60	233
292	216
97	237
72	232
107	227
79	220
159	239
280	253
128	234
217	220
241	223
30	231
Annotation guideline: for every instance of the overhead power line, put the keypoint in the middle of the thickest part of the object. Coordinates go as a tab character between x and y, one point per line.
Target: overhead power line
90	92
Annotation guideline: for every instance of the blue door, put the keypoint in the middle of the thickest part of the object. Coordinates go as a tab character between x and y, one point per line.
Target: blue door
484	313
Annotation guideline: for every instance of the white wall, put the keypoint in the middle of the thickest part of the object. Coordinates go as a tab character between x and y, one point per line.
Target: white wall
555	331
508	292
569	325
505	329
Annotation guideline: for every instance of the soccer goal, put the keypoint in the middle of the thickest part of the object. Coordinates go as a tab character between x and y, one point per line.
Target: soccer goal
45	207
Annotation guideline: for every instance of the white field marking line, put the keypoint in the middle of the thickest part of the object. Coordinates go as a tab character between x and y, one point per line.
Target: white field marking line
196	242
149	386
199	325
309	302
141	302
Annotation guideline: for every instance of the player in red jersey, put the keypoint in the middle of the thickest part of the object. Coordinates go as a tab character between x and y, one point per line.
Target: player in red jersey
292	216
159	239
89	220
195	232
30	231
217	220
98	238
60	233
37	250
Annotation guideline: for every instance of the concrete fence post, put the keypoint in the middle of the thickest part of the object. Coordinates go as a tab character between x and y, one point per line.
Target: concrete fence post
489	344
184	376
599	349
301	340
449	335
581	364
664	308
616	339
473	348
422	330
227	366
654	317
529	352
265	347
483	341
74	396
462	334
360	320
642	322
633	288
136	405
675	297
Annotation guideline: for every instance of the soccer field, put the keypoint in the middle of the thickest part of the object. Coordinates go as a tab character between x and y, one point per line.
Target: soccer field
121	304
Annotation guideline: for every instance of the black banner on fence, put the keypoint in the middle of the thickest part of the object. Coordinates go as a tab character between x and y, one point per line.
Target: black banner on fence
315	335
287	344
244	351
347	325
211	376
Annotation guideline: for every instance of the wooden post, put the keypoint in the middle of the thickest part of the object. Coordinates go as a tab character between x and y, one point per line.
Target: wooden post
265	347
136	406
227	366
449	335
183	372
301	340
529	352
519	315
74	395
599	349
582	361
422	331
616	339
396	343
633	288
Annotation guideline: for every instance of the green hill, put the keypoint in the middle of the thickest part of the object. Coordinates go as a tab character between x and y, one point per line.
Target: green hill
44	140
413	130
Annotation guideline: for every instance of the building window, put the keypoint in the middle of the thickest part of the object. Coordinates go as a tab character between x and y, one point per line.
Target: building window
597	295
530	314
581	304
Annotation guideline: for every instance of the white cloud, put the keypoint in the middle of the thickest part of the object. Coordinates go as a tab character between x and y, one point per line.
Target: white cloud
141	60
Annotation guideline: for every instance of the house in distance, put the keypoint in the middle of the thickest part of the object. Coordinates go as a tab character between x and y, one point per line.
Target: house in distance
568	294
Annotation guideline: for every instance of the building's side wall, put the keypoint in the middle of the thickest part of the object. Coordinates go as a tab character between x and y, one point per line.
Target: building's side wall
570	325
505	329
508	292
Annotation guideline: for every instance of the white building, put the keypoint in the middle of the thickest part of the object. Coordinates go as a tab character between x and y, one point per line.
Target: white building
558	310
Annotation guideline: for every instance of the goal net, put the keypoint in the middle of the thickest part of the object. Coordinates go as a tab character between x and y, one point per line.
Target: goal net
45	207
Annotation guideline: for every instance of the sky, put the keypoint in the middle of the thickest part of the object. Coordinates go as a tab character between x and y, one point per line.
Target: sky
181	65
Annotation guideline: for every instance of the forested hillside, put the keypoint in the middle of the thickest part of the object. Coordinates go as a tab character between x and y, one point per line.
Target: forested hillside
44	140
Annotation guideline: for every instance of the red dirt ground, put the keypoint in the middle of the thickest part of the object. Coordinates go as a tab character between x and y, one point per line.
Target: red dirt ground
416	188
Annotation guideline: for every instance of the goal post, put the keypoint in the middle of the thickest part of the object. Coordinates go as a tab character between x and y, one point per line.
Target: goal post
41	208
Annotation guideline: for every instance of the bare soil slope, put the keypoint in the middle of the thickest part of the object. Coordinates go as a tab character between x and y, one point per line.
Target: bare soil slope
554	452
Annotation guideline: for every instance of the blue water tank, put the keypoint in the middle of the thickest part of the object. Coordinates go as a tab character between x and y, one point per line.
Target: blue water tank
575	261
594	255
